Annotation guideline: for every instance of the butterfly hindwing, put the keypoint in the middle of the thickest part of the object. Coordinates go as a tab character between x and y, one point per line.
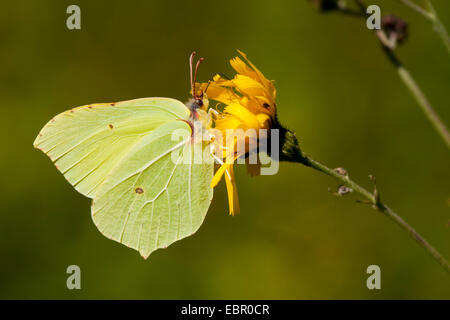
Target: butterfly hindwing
163	201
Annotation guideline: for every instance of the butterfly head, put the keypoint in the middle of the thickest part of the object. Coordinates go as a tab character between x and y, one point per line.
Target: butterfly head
198	100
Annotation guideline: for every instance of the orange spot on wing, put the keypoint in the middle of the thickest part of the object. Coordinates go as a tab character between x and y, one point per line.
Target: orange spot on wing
139	190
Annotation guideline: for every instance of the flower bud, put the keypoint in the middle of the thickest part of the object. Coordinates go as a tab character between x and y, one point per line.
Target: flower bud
395	27
325	5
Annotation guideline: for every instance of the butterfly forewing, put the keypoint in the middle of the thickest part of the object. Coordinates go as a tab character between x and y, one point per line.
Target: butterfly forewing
87	142
147	190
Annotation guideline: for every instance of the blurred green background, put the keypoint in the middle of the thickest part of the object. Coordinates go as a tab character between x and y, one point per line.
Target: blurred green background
293	239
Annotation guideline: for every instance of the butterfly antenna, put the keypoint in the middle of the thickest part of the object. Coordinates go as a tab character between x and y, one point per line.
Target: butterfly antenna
196	71
191	63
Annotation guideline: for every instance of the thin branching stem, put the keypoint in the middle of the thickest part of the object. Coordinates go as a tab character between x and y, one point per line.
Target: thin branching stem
417	8
422	100
416	91
292	153
376	203
431	15
406	76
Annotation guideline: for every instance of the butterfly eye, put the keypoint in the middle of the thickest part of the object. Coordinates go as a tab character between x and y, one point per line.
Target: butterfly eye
199	101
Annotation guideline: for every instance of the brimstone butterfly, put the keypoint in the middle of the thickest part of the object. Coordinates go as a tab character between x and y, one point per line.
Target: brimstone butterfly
121	155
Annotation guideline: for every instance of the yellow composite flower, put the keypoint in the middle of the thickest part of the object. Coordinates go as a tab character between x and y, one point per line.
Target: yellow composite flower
249	100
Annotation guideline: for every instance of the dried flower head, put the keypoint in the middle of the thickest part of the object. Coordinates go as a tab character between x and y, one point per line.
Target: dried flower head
395	27
325	5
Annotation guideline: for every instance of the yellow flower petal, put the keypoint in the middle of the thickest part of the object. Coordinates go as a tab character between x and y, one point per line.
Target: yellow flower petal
242	68
248	86
227	122
264	120
247	118
267	83
233	200
218	175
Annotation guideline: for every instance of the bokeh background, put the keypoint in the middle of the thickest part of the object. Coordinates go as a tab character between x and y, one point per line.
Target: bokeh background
293	239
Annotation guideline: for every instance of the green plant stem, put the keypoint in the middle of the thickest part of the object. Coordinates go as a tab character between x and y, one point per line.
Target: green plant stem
291	152
380	206
415	90
406	76
417	8
431	15
439	26
424	104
